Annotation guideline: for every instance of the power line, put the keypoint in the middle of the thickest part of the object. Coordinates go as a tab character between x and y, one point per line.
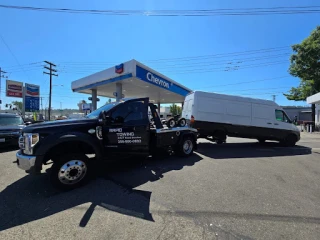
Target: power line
201	70
180	60
191	58
229	63
177	13
261	80
4	42
26	65
179	65
221	55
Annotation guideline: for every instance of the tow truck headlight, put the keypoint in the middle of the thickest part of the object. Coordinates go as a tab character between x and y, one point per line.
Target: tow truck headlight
30	140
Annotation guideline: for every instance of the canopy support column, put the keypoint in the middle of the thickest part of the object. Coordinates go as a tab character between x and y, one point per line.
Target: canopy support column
94	99
118	91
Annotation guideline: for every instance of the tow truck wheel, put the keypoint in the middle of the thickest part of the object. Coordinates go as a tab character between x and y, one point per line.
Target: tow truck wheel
69	171
185	149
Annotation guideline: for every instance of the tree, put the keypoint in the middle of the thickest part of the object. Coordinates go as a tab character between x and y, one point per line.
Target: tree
175	109
305	64
18	104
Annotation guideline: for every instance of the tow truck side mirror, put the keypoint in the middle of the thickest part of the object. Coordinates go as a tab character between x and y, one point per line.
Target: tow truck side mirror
103	118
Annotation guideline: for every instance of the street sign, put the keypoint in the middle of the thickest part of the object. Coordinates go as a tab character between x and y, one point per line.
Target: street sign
32	97
86	106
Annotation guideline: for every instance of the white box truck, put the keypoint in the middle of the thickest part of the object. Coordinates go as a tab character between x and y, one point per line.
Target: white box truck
220	115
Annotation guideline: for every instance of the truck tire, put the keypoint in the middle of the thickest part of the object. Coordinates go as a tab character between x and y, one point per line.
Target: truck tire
171	123
70	171
185	148
289	141
220	136
219	141
182	122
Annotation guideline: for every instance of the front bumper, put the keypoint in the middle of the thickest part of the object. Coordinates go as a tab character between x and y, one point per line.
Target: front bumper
9	139
25	162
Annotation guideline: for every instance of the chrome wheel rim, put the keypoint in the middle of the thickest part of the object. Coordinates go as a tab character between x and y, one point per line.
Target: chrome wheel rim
187	146
72	172
182	123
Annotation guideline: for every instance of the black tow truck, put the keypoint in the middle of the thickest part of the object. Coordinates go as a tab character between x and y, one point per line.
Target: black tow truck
115	131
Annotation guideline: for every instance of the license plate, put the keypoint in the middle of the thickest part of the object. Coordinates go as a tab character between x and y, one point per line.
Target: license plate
2	139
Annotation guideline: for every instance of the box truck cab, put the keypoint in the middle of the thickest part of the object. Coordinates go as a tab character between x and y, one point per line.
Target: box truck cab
221	115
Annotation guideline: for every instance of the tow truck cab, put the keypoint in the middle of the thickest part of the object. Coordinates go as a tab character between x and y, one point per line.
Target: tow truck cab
116	130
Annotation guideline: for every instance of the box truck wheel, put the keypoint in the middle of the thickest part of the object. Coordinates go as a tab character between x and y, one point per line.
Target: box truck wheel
220	136
289	141
220	141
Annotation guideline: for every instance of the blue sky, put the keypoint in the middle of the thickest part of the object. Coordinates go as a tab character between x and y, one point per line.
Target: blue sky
83	44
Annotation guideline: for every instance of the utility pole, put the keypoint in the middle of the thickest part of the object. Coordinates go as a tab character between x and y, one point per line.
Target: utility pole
1	75
51	73
41	105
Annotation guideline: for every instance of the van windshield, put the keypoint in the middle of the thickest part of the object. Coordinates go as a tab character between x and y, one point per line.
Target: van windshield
282	116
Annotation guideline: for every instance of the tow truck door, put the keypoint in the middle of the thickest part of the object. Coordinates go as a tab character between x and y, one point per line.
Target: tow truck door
128	132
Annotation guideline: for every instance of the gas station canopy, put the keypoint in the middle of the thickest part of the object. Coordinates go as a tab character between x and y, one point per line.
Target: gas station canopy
314	99
131	79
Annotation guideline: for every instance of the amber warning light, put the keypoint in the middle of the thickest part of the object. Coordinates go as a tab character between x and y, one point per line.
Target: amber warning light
192	119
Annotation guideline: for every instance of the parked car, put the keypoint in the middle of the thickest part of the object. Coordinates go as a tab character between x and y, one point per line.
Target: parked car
11	126
220	115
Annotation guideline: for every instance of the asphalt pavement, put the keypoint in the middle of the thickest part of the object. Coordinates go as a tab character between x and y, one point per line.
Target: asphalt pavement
237	190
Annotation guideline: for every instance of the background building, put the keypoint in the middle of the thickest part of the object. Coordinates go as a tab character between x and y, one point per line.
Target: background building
303	113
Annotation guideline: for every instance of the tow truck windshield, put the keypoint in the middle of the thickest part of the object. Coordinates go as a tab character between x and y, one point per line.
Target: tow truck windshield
107	107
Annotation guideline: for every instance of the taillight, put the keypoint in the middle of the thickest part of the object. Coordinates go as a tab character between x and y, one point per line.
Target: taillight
192	119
